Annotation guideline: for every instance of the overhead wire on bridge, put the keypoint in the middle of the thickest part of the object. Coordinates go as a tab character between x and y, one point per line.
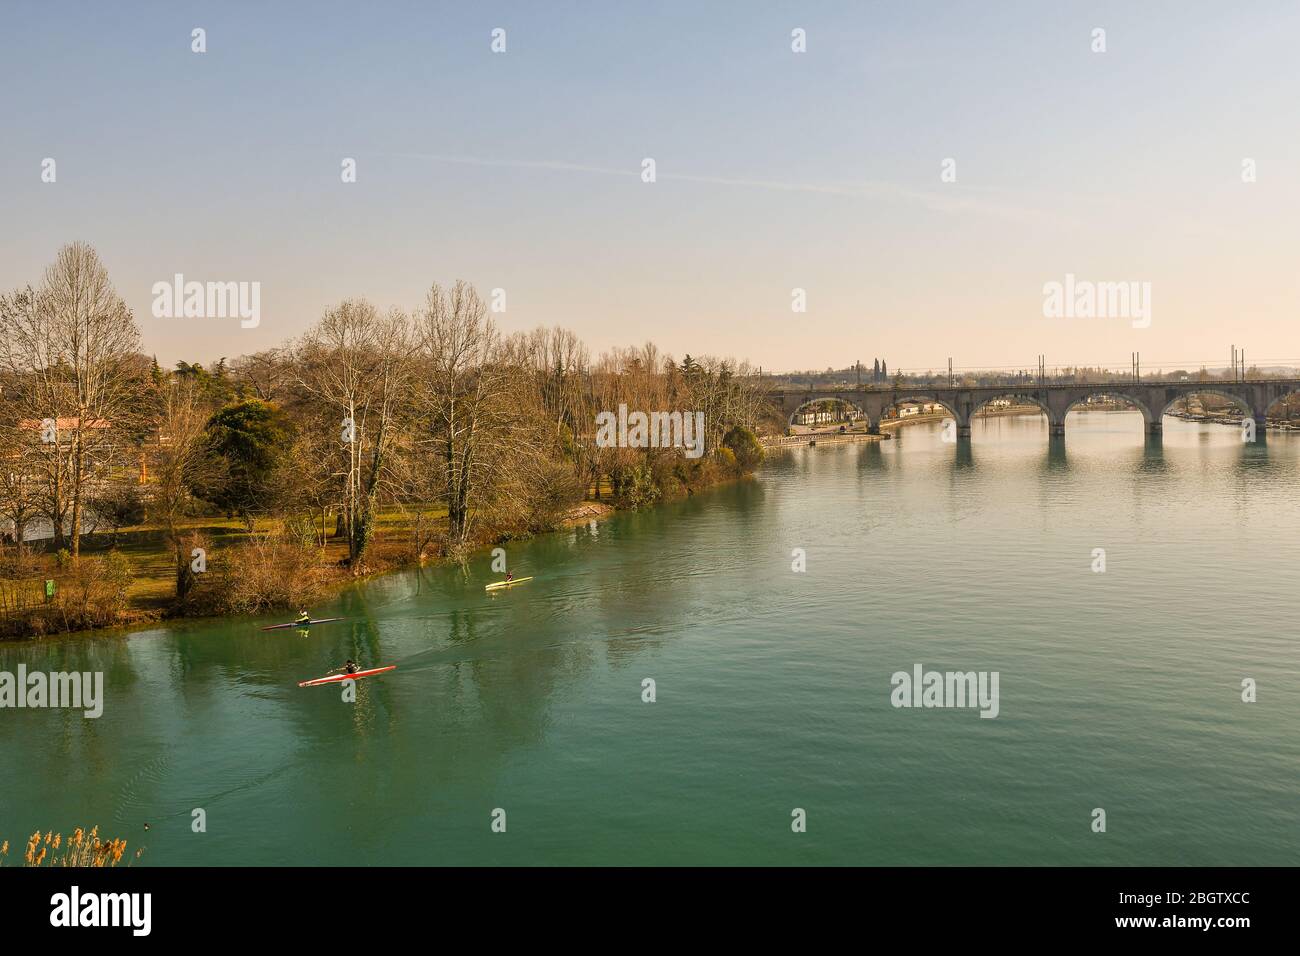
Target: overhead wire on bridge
1031	369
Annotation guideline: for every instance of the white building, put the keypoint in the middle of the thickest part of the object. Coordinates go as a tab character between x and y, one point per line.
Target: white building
907	409
814	418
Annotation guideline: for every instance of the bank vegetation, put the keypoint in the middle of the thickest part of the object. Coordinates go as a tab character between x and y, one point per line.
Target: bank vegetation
376	439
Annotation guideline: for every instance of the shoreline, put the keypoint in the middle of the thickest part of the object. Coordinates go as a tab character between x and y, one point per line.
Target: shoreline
585	512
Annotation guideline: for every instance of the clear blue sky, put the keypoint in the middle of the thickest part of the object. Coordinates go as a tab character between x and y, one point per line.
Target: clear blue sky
776	170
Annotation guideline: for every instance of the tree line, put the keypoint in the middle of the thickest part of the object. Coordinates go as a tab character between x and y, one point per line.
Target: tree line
468	433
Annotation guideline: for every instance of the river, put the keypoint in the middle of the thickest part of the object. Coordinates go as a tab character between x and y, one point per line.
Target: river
1118	690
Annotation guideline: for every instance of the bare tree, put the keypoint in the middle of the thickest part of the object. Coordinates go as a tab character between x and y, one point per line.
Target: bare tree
464	405
181	464
357	364
268	375
39	396
309	484
73	349
20	460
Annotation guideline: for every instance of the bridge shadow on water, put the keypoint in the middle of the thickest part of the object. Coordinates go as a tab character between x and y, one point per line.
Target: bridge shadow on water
1152	460
1142	454
1056	461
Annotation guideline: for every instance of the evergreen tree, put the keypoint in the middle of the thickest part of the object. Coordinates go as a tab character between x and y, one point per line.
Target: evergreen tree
251	438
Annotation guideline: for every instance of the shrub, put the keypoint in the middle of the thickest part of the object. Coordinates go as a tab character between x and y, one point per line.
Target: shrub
270	570
552	490
745	447
94	594
634	485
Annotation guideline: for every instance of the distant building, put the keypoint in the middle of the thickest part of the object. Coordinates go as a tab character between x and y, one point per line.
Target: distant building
62	424
814	418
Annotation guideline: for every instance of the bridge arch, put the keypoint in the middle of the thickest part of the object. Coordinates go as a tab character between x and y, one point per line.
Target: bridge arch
1276	399
818	399
923	397
1148	414
986	400
1239	400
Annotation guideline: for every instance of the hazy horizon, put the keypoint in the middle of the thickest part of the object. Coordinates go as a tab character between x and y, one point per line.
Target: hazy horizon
776	170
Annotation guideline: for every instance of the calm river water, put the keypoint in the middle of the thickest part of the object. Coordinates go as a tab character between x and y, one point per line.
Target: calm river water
1118	690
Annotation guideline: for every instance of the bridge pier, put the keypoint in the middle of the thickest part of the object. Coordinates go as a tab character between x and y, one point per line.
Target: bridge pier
1261	426
963	431
1056	429
873	426
1155	428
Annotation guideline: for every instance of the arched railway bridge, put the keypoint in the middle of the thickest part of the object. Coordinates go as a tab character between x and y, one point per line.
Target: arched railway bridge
1152	399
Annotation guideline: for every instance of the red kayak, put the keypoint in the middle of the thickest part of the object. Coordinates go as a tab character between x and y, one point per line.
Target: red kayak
335	678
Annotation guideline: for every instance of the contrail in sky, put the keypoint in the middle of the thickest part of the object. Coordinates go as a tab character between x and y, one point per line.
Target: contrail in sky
865	190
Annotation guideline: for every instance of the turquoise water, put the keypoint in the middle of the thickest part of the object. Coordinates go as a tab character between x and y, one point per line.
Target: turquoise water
1119	690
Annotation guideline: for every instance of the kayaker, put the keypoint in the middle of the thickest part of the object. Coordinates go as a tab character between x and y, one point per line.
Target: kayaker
349	668
510	576
303	618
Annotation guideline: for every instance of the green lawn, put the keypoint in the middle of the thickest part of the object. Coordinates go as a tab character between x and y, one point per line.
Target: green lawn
145	546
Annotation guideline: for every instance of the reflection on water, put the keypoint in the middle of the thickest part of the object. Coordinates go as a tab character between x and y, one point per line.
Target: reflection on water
1118	690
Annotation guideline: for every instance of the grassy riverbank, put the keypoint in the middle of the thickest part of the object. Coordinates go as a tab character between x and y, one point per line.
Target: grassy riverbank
152	586
129	577
133	570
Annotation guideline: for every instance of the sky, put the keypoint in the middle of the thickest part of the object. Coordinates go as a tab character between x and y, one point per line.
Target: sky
775	170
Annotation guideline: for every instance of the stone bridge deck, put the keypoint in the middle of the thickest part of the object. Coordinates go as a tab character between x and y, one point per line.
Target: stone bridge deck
1152	399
